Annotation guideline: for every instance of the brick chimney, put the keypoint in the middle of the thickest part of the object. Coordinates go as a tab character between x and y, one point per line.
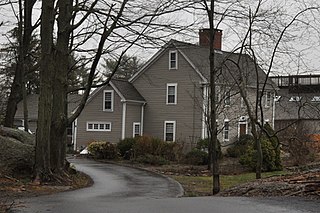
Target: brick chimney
204	38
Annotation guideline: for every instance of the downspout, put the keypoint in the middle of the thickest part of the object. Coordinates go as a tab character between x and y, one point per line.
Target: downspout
273	110
204	112
142	118
124	111
74	133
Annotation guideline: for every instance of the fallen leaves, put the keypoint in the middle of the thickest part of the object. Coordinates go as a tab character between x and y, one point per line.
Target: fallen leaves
304	184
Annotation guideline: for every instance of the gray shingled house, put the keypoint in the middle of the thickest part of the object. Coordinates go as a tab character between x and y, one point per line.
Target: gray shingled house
112	112
168	98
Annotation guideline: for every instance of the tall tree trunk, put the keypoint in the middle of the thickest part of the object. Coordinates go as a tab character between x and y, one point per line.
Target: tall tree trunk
59	112
25	46
14	98
213	114
42	165
24	38
259	158
257	140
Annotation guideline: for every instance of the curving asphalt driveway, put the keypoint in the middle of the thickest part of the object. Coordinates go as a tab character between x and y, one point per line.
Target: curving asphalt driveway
119	189
112	183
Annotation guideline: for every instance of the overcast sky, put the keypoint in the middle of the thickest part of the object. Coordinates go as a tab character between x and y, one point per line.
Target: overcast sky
304	41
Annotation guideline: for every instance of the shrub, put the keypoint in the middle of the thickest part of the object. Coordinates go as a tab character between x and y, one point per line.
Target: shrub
152	160
149	146
276	146
196	157
203	145
240	146
269	156
103	150
171	151
125	147
146	145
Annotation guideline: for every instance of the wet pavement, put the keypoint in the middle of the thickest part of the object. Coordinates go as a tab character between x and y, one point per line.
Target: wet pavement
112	183
120	189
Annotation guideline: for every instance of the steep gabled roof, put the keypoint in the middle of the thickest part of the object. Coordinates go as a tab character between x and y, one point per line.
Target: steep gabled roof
171	44
198	58
123	88
127	90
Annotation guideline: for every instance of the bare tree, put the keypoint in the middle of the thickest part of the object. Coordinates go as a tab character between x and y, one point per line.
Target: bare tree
255	108
24	35
255	29
118	26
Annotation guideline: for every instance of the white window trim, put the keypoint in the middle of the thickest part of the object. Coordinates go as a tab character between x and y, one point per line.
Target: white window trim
104	100
165	130
295	98
242	120
315	99
242	104
277	98
133	128
224	139
227	95
176	59
175	93
268	103
98	130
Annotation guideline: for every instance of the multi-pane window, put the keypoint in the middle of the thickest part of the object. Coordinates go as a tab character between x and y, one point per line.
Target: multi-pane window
217	96
169	130
268	99
315	99
227	98
295	98
171	93
136	129
242	104
226	129
108	100
173	59
98	126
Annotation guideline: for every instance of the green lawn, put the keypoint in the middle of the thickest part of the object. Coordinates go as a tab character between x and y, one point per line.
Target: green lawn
201	186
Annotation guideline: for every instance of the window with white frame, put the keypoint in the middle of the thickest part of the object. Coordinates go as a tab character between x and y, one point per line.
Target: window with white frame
242	104
217	95
315	99
169	130
277	98
295	98
99	126
108	96
227	98
226	129
136	129
268	99
172	93
173	60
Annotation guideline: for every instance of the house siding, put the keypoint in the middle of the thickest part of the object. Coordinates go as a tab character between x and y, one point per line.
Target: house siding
235	112
93	112
152	85
133	115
